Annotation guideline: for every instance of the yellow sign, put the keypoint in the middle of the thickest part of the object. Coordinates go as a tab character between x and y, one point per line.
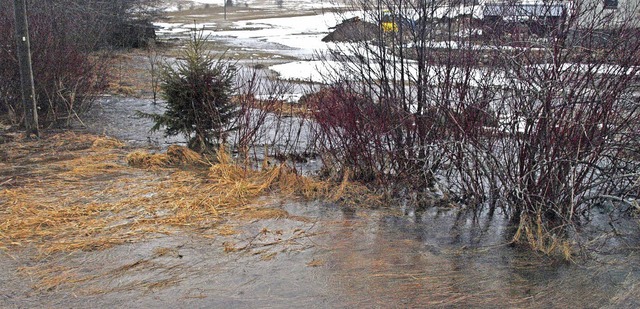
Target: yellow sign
389	27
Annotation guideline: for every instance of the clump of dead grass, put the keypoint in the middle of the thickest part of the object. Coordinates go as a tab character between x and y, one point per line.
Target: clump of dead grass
175	156
179	155
89	199
532	233
235	184
107	142
143	159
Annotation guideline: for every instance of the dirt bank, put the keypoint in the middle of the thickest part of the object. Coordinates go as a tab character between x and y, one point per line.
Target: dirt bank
352	30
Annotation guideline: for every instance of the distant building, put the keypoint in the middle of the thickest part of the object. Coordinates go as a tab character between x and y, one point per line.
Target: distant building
514	11
545	13
535	17
607	13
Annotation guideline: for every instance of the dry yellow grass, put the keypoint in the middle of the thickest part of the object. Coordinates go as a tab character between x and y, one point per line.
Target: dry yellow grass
277	107
106	143
175	156
81	192
179	155
143	159
90	197
533	234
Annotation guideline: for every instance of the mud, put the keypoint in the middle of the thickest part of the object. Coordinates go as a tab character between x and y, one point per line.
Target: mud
352	30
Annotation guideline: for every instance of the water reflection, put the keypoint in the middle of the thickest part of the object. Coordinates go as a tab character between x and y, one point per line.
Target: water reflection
444	257
343	258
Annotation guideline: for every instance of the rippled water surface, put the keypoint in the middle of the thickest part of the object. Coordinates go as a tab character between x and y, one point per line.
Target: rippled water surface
324	256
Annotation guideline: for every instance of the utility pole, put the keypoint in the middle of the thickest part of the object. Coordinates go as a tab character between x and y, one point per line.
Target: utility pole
26	72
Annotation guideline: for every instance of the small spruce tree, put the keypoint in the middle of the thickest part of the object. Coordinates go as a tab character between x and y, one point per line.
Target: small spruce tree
198	91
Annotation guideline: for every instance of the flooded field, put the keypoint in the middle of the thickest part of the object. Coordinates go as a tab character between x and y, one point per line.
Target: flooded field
324	256
311	254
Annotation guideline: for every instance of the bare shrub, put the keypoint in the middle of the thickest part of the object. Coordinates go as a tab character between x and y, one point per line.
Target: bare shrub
64	37
539	118
357	133
269	123
65	75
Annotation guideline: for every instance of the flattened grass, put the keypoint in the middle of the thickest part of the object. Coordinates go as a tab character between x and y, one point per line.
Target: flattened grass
82	192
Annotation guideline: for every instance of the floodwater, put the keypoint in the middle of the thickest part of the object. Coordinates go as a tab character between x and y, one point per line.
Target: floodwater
117	117
325	256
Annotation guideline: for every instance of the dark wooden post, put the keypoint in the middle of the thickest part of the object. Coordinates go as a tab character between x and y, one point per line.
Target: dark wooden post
26	72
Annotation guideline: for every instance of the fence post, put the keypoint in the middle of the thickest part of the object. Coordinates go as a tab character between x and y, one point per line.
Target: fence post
26	72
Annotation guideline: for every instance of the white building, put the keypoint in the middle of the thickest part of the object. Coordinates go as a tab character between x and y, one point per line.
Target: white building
599	14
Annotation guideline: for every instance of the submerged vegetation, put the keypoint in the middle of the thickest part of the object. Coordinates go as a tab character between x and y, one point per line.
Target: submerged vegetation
535	115
437	109
60	201
527	135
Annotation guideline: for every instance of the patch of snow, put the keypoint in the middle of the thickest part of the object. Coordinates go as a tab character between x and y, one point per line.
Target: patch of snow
303	34
287	4
325	71
299	36
286	97
308	71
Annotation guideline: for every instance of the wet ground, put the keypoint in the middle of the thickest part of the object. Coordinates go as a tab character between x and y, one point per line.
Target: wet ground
117	117
321	255
325	256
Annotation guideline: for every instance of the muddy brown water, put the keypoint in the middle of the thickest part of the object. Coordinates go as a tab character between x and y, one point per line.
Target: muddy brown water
325	256
334	258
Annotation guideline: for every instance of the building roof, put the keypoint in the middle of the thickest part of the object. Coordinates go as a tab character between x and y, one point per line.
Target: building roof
523	11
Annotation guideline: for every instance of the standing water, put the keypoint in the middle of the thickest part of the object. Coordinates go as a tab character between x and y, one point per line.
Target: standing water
325	256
